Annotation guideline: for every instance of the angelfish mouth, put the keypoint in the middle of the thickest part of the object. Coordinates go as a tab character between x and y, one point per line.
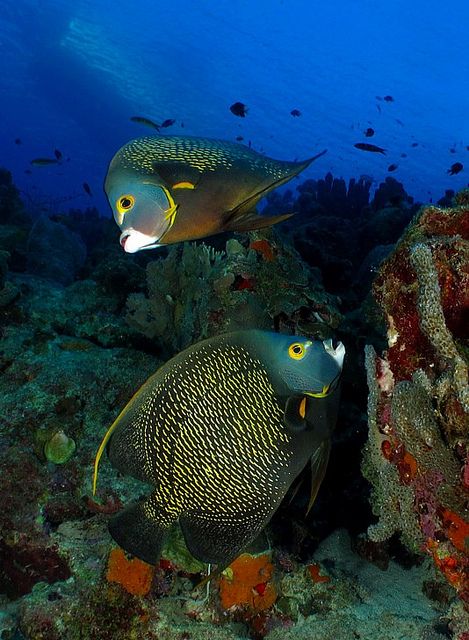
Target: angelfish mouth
123	238
338	352
132	241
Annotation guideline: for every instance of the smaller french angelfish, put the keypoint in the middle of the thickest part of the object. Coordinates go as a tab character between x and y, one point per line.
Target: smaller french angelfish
220	432
167	189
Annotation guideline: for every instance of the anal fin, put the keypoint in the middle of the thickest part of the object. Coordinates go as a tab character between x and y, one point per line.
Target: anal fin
251	221
140	529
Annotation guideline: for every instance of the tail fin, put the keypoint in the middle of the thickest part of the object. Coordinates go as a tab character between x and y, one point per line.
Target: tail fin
244	216
140	529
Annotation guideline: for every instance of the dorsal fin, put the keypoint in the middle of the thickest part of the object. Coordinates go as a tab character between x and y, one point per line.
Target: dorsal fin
100	451
114	426
244	217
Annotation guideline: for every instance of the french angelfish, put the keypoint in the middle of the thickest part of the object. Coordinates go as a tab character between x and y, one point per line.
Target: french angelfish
220	432
167	189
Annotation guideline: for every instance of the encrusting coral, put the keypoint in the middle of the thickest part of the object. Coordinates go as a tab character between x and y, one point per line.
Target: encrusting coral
60	448
196	292
416	457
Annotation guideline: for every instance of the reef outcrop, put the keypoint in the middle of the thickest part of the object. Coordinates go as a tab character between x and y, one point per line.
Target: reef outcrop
417	454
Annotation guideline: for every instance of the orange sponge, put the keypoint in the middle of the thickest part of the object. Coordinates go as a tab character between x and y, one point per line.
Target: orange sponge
247	582
134	575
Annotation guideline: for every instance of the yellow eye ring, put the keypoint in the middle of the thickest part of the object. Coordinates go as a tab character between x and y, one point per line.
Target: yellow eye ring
296	351
125	203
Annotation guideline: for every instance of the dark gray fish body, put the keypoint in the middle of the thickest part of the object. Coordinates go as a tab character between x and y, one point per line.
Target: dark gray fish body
145	121
221	431
455	168
43	162
168	189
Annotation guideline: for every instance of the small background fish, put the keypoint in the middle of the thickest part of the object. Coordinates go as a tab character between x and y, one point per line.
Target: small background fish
455	168
239	109
43	162
365	146
145	121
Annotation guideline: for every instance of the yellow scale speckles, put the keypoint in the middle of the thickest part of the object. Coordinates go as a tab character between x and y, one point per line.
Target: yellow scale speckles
207	155
234	459
214	466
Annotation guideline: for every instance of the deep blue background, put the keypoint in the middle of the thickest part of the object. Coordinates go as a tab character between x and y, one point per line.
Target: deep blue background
72	74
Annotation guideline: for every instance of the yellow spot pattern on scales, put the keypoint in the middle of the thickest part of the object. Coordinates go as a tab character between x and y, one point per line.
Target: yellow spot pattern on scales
208	432
241	454
202	154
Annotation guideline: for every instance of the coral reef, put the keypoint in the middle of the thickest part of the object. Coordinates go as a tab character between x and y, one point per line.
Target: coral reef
337	225
416	456
74	350
61	384
12	210
132	574
54	251
8	291
196	292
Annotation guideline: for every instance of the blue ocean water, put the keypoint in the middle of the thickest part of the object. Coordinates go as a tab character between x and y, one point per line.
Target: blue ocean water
73	73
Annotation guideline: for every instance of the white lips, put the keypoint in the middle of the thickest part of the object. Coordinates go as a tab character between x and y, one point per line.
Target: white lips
338	353
133	241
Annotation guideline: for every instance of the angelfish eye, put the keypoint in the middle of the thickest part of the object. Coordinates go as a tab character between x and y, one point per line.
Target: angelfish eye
296	351
125	203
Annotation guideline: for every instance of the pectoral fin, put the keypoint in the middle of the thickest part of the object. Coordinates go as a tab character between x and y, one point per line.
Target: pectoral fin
295	412
251	220
177	173
319	461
